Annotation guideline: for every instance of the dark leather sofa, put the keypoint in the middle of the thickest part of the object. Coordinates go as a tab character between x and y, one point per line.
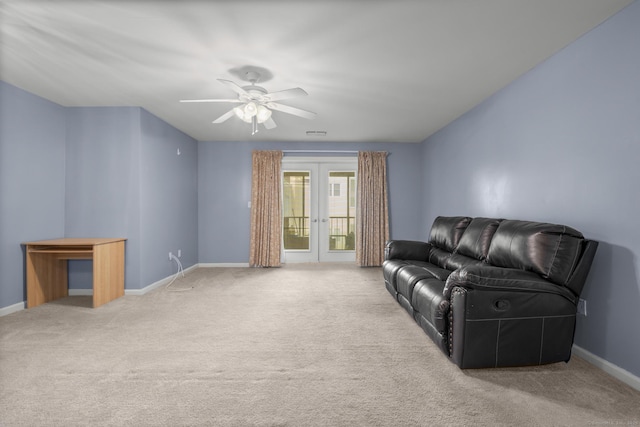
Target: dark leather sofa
493	292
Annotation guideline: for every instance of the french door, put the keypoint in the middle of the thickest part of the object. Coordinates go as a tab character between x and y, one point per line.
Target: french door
319	209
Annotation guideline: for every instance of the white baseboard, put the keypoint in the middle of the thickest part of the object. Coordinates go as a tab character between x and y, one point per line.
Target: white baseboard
137	292
166	280
149	288
230	264
12	308
611	369
157	284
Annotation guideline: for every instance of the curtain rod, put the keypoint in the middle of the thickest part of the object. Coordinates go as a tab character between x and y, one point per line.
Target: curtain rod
320	151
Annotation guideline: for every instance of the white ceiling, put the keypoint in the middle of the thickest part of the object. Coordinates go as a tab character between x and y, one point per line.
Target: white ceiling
392	71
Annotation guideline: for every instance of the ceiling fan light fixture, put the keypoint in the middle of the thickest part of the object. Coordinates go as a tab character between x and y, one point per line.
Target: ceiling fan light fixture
242	115
250	109
263	114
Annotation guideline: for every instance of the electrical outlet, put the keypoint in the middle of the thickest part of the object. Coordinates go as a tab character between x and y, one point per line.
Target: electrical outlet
582	307
179	253
170	256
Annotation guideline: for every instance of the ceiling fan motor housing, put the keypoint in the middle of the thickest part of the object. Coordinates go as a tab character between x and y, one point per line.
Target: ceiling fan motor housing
256	93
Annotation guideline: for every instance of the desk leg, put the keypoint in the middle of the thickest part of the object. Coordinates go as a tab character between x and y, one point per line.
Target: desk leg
46	279
108	272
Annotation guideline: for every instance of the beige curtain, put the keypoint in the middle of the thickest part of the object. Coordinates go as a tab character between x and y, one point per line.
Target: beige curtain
372	230
266	217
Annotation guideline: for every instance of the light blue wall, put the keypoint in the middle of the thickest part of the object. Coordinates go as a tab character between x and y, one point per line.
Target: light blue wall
124	179
168	199
562	144
93	172
32	186
224	181
103	184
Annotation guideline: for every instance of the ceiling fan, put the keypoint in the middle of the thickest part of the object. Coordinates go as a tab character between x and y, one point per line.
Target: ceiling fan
257	103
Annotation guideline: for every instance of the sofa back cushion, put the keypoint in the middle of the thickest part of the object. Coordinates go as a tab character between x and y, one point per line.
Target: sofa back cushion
447	230
549	250
438	257
477	237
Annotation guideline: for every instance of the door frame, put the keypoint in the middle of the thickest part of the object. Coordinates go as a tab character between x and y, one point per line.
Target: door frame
318	248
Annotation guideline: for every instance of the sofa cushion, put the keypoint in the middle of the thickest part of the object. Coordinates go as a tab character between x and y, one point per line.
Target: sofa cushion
431	310
438	257
476	239
428	300
437	272
549	250
409	275
457	261
447	230
390	270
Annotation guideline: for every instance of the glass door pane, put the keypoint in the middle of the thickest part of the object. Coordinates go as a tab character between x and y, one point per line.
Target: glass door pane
342	210
337	211
318	209
296	210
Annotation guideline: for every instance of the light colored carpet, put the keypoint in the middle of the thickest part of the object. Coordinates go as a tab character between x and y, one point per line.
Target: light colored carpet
302	345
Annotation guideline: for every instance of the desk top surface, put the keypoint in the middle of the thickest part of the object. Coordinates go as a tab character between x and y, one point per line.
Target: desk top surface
73	241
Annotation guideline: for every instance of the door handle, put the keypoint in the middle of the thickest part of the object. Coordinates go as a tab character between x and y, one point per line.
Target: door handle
314	220
324	219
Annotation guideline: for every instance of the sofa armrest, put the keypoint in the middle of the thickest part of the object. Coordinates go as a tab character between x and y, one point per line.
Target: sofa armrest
498	328
406	249
499	279
507	317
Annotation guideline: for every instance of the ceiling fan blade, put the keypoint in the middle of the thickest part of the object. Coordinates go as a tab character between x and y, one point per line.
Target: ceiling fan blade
291	110
237	101
234	87
226	116
269	124
285	94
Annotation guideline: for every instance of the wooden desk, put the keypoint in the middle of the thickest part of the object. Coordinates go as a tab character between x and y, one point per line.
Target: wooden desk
47	268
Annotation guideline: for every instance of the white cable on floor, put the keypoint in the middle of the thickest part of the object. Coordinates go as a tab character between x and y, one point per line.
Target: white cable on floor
180	271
